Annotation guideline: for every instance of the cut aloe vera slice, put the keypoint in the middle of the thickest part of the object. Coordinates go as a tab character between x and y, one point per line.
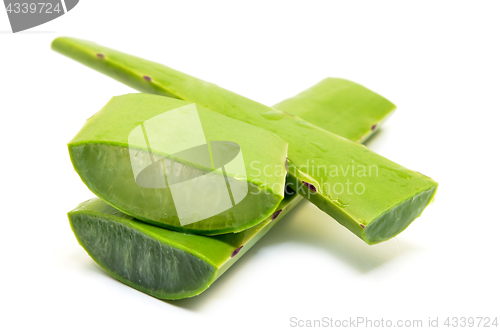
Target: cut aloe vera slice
160	262
345	102
168	162
372	196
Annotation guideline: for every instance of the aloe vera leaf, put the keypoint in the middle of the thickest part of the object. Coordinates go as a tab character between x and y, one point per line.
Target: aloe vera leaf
167	162
345	102
167	264
163	263
372	196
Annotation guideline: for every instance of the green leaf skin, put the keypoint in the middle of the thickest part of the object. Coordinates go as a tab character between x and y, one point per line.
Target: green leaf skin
347	102
162	263
146	257
393	195
100	153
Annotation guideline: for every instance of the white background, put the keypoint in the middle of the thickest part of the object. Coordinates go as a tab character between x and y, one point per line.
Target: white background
438	61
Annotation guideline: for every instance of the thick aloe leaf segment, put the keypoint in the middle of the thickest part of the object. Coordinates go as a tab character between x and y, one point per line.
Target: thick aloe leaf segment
359	188
168	162
345	102
160	262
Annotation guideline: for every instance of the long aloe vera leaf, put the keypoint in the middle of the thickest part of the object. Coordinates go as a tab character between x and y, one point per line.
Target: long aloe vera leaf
372	196
171	265
167	162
